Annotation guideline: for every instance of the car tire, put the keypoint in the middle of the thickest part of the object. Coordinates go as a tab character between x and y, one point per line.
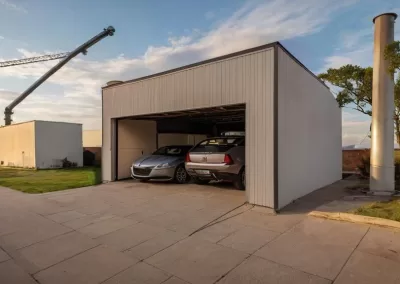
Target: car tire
200	181
181	176
240	182
143	180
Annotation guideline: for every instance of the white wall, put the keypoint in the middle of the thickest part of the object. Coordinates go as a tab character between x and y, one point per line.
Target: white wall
165	139
309	133
17	145
92	138
55	141
135	138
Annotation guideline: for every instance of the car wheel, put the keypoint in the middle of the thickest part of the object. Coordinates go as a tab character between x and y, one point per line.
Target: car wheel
181	176
240	182
143	180
200	181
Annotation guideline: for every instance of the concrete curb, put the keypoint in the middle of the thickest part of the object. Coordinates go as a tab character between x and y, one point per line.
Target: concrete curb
340	216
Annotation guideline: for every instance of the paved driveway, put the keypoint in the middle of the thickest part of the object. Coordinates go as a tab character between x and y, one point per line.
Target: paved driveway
130	232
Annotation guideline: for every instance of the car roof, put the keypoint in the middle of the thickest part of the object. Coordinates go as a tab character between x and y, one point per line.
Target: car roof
229	136
187	145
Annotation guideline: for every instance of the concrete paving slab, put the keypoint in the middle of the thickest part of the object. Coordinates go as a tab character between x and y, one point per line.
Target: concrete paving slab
218	231
3	255
49	252
140	273
166	220
189	225
15	219
382	242
65	216
197	219
255	270
105	227
154	245
175	280
87	220
310	248
197	261
29	236
93	207
93	266
44	207
123	210
11	273
131	236
144	214
364	268
247	242
278	223
332	232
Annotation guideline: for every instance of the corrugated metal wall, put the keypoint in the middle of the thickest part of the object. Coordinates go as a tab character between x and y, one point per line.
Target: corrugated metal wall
55	141
135	138
17	145
309	132
246	78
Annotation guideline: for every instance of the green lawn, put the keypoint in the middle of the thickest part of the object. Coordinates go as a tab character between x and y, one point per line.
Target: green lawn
40	181
387	210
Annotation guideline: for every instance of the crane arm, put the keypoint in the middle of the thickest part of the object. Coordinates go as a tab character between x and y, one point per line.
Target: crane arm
83	48
46	57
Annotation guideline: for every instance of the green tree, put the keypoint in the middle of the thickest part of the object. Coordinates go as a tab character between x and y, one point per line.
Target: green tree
392	54
354	85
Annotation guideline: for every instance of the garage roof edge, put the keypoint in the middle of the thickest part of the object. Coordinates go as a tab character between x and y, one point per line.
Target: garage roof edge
226	56
219	58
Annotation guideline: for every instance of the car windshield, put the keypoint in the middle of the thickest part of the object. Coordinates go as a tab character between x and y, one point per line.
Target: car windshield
221	144
173	150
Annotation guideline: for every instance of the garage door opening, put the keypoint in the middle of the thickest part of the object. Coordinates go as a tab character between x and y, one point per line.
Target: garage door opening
139	137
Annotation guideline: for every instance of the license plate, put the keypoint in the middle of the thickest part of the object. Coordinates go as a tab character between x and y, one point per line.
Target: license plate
203	172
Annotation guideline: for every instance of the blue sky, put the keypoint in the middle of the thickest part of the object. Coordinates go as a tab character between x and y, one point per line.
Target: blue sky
156	35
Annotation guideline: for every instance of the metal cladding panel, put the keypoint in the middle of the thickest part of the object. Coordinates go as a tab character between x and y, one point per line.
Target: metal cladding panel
246	78
17	145
55	141
309	132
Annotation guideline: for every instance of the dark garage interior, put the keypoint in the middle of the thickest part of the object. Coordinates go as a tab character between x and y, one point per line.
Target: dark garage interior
202	123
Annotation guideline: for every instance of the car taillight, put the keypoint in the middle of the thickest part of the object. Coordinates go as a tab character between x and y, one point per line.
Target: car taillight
187	160
228	159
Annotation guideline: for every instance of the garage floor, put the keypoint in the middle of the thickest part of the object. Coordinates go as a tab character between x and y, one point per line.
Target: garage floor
130	232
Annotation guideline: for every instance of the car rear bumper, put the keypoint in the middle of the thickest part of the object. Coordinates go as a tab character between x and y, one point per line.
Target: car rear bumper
215	171
160	174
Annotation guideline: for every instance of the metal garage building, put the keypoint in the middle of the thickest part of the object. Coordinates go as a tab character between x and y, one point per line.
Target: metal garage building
291	119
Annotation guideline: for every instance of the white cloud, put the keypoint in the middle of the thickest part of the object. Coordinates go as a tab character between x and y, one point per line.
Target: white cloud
1	37
179	41
9	4
254	24
210	15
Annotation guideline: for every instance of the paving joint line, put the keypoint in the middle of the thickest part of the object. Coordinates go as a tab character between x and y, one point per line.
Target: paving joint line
281	233
172	275
122	271
352	252
230	270
33	274
53	237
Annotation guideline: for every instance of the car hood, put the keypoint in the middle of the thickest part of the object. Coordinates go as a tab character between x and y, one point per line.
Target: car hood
154	160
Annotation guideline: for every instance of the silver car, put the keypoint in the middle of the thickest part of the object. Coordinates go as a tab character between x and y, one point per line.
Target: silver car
167	163
220	159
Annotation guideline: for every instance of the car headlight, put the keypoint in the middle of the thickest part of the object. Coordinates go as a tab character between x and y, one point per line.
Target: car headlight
165	165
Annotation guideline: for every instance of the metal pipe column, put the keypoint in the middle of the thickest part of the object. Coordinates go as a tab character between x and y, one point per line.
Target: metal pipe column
382	148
